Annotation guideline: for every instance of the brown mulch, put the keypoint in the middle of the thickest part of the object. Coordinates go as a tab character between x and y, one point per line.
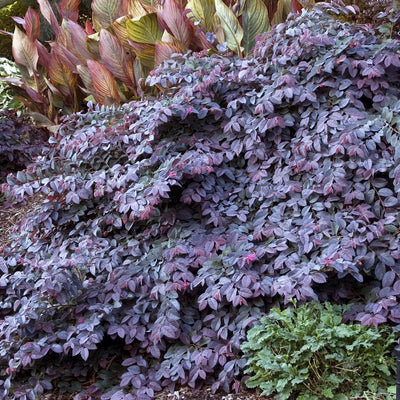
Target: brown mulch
205	394
185	393
10	217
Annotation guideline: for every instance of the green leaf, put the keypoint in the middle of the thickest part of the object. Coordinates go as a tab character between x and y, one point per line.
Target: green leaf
282	10
145	52
230	25
144	29
203	11
255	21
391	228
391	389
21	177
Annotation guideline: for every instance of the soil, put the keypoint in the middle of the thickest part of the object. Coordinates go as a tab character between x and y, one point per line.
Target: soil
186	393
11	216
205	394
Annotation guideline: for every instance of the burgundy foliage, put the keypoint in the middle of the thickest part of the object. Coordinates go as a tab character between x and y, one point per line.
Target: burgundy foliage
172	225
20	143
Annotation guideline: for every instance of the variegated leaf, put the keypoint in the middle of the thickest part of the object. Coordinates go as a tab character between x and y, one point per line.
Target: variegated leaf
283	9
24	51
254	21
151	3
89	28
297	5
69	9
84	74
61	76
203	11
92	43
176	22
145	53
69	59
43	54
136	9
232	30
104	84
79	41
32	24
113	57
144	30
48	14
163	51
121	31
105	12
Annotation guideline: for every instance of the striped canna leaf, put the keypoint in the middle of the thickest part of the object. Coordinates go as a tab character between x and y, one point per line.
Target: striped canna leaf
255	21
113	56
24	51
69	9
105	12
32	24
144	29
230	25
176	22
106	91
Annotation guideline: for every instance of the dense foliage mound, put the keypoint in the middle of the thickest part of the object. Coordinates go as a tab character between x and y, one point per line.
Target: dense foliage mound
307	353
383	14
20	143
172	225
7	97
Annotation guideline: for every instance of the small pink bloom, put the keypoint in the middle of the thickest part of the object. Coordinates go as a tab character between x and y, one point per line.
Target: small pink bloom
250	257
171	174
185	285
328	261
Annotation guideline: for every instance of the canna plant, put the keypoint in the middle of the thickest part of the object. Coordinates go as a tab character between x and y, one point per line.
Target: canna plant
105	60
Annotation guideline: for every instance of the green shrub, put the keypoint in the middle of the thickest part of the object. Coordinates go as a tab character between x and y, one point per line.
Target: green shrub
7	24
309	352
8	69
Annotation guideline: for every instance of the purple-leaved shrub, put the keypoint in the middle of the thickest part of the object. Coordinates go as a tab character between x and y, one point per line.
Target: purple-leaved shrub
170	226
20	143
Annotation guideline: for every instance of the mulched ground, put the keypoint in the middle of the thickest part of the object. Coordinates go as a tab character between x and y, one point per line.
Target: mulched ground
10	217
186	394
205	394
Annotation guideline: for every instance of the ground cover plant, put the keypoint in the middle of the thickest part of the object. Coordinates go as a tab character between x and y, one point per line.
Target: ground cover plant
308	353
383	14
20	143
172	225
